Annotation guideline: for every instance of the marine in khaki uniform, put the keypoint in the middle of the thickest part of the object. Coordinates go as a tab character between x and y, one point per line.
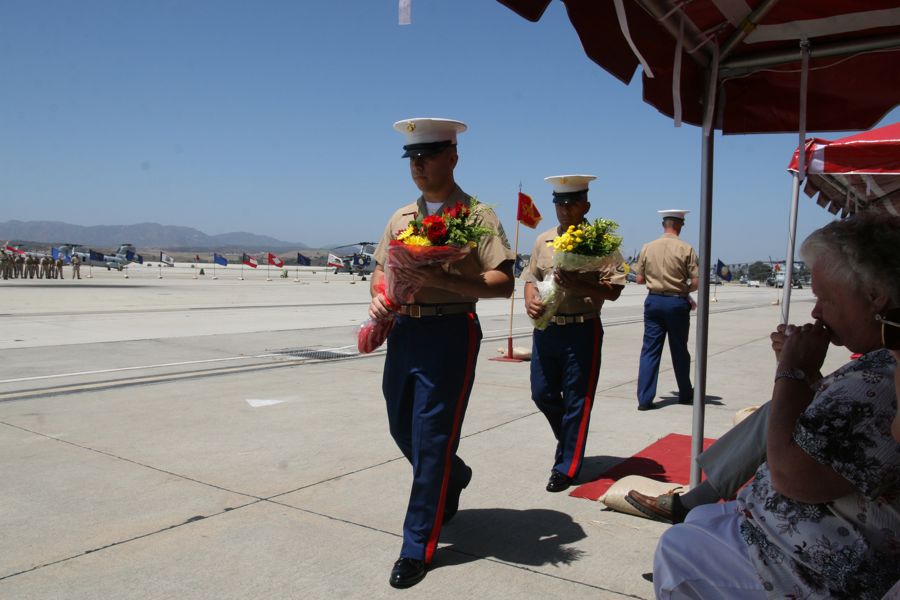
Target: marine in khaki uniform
76	267
59	268
668	266
434	343
565	357
4	264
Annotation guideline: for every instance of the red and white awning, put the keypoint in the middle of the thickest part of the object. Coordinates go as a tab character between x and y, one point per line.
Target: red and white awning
859	172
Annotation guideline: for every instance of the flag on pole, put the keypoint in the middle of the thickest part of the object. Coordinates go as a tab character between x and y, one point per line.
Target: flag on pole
303	260
335	261
249	260
723	271
166	259
528	214
220	260
274	260
519	266
14	250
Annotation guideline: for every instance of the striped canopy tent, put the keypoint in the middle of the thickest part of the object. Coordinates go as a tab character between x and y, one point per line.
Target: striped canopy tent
855	173
744	66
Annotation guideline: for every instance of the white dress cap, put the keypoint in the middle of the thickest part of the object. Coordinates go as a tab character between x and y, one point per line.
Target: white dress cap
673	213
565	184
429	130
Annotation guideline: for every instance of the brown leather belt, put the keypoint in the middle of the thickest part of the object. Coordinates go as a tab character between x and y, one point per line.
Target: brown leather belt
569	319
417	311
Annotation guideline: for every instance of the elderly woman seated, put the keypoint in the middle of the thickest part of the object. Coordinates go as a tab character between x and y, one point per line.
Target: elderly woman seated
821	517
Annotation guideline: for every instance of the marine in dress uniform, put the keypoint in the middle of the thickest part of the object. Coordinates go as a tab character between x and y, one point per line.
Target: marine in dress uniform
565	357
668	266
434	343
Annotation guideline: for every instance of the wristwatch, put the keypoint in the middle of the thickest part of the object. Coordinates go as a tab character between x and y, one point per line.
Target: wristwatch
795	373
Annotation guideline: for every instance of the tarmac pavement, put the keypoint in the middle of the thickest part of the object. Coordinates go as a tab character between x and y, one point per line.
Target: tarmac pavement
196	438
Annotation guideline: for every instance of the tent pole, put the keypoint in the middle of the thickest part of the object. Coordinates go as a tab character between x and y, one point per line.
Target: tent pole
707	146
795	191
702	336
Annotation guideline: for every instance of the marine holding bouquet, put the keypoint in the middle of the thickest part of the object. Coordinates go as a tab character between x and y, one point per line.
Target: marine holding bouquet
427	280
574	269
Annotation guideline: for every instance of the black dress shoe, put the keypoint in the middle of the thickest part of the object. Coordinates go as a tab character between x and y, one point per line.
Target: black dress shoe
451	502
407	572
650	406
558	482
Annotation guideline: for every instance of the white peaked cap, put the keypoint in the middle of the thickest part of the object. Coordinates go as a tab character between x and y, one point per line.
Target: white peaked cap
429	130
564	184
673	213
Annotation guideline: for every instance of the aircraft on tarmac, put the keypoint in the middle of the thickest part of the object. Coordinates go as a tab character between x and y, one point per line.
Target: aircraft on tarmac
360	262
124	255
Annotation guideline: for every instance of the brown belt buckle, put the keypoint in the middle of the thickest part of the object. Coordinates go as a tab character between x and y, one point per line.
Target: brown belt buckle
558	320
414	311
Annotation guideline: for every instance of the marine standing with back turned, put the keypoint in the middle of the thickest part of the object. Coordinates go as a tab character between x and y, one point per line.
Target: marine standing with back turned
433	345
565	357
668	266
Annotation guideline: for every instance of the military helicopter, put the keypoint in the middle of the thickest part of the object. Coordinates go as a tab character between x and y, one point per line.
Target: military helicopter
360	262
124	255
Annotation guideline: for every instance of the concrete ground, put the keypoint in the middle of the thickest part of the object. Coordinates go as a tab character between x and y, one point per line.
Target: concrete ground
195	438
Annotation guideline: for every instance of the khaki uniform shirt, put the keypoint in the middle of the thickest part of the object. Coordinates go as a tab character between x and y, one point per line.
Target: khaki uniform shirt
492	250
540	267
666	264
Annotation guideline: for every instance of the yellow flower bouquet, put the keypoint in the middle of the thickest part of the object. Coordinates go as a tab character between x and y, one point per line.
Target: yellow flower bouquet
582	248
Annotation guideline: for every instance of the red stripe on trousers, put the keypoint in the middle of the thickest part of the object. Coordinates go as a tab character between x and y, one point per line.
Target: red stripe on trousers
588	402
431	545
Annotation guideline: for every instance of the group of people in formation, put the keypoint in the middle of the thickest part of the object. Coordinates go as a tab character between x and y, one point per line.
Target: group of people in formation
26	266
821	518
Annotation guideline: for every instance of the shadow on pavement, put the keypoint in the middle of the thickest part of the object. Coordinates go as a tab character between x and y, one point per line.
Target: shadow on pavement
531	537
596	466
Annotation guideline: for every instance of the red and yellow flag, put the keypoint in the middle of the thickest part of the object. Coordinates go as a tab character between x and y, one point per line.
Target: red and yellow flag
528	214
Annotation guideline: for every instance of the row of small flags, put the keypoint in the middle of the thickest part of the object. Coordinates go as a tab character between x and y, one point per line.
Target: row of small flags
246	259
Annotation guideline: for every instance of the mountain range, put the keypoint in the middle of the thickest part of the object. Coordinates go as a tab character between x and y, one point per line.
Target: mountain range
152	235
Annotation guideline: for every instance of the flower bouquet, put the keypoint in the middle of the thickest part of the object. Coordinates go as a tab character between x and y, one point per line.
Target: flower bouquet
584	248
435	240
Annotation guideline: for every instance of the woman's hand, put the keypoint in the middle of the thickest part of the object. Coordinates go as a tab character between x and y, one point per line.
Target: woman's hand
778	336
802	347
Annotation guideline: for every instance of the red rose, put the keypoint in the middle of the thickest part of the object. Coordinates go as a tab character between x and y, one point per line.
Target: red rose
435	229
460	210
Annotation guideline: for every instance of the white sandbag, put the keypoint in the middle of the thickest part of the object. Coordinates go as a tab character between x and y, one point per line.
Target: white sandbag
614	498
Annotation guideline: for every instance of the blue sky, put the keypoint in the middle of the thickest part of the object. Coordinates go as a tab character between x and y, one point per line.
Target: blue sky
275	117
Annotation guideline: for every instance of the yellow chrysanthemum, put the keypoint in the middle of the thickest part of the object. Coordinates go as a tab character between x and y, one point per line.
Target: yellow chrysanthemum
405	233
416	240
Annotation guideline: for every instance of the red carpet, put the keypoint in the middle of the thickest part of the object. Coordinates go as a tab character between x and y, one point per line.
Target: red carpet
667	459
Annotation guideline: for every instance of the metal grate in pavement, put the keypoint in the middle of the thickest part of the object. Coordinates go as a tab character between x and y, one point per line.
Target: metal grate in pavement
314	353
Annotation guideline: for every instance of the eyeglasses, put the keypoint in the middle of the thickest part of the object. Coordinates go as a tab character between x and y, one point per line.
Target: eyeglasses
890	328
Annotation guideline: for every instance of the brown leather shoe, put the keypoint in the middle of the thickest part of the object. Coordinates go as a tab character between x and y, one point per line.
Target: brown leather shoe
666	508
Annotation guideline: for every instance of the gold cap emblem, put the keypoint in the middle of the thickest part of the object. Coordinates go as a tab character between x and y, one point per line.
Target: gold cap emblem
410	126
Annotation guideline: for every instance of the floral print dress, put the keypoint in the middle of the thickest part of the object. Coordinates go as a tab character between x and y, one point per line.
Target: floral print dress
848	548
